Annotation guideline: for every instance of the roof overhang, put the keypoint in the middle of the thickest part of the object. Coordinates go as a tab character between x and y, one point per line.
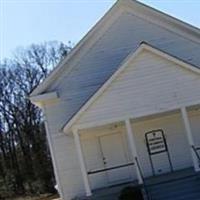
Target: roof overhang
39	100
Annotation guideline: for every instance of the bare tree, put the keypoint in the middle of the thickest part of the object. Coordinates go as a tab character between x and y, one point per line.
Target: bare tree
25	164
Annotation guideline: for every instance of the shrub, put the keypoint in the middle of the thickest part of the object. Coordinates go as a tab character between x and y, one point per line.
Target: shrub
131	193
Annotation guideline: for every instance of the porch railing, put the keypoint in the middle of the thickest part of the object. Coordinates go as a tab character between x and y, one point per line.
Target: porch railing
148	196
122	166
196	149
110	168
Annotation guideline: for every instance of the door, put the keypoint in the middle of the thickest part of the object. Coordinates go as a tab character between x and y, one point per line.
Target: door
114	154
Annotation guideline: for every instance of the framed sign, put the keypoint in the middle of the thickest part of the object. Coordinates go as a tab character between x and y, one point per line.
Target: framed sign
156	142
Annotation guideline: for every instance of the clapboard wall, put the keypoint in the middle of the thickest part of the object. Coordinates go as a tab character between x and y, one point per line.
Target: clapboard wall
90	72
149	84
104	57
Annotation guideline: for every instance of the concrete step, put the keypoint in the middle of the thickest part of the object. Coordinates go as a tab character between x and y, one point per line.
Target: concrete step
184	189
180	185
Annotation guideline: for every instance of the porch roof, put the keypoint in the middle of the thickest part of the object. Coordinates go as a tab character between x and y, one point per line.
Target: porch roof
123	65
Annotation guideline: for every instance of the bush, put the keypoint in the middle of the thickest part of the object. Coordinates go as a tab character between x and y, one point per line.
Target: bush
131	193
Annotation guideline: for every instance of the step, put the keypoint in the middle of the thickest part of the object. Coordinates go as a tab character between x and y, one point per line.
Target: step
184	189
181	185
176	186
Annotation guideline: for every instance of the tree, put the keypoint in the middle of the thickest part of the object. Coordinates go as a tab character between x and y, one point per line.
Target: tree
25	163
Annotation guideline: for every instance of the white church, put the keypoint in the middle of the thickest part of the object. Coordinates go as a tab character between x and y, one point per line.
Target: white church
124	108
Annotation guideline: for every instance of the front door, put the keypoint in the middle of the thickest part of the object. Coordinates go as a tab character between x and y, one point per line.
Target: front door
114	154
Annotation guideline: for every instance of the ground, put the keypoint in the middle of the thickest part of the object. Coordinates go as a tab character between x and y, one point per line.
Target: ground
43	197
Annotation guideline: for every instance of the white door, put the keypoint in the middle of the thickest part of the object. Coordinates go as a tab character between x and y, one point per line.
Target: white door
114	154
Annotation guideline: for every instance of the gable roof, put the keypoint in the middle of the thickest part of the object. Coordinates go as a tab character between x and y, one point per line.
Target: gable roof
139	9
143	46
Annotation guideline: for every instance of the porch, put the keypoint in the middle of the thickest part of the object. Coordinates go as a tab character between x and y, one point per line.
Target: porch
182	184
119	152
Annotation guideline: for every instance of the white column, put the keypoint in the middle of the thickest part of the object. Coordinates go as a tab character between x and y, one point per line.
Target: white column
131	141
190	137
82	163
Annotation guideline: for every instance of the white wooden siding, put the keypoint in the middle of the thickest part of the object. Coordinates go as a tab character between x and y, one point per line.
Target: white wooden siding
158	80
149	85
104	57
91	71
68	167
65	154
148	80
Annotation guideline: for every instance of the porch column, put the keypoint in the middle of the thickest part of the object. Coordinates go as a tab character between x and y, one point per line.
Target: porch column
190	137
131	141
82	163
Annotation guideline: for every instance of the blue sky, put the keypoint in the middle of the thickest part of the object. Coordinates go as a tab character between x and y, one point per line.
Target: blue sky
23	22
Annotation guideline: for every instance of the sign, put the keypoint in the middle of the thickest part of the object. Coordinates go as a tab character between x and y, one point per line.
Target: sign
156	142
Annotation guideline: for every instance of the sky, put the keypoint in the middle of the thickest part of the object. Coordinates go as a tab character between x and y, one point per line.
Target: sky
23	22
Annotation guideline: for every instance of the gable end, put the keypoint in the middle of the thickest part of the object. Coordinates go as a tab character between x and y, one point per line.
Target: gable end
123	66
